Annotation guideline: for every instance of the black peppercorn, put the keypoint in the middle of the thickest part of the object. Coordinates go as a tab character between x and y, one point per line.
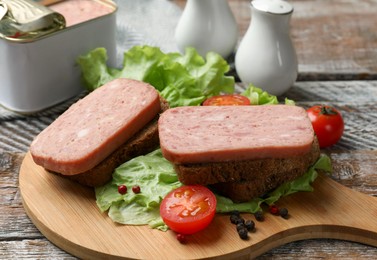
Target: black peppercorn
235	212
234	219
243	233
240	226
240	220
249	224
283	212
259	216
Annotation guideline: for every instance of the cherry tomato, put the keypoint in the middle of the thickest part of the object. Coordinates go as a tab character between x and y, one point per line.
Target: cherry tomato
227	100
188	209
327	124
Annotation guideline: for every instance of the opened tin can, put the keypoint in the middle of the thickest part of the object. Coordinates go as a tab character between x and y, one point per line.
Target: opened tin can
39	46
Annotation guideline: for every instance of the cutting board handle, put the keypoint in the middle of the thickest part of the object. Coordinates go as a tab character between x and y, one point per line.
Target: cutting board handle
333	211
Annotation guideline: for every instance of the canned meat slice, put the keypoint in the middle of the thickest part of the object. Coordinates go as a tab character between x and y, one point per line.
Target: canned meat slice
95	126
232	133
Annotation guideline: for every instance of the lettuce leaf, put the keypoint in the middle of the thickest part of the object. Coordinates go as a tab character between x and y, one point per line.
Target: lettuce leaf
182	79
156	178
259	97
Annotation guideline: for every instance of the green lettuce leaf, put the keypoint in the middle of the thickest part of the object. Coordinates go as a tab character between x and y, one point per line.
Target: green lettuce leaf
156	178
259	97
182	79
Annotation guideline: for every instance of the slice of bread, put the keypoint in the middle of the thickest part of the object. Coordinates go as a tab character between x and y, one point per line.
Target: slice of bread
141	143
244	180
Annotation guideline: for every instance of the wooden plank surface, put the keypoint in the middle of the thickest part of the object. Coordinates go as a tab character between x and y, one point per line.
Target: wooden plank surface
353	159
334	39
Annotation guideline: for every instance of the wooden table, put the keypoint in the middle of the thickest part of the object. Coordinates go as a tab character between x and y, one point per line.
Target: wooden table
336	42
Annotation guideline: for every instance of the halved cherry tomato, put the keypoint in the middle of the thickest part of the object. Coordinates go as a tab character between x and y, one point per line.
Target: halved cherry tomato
327	123
227	100
188	209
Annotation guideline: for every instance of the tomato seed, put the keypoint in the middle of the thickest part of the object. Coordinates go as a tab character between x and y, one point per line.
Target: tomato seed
136	189
122	189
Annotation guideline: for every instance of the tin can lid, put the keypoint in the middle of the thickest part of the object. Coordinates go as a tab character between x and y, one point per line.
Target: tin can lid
26	20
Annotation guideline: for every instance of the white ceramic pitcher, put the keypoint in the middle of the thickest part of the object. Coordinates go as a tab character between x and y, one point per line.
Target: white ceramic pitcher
266	56
207	25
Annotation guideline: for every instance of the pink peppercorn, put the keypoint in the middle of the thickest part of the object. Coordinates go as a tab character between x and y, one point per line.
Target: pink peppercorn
274	209
136	189
122	189
181	238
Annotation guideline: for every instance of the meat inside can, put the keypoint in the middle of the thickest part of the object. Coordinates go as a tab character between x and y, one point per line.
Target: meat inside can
78	11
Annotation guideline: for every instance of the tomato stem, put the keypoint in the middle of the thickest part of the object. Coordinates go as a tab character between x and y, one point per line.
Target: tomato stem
325	110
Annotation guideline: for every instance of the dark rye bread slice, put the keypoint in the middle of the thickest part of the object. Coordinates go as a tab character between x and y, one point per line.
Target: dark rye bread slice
243	180
246	190
141	143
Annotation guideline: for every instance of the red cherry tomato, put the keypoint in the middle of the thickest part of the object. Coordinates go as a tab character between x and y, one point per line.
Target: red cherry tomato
327	123
227	100
188	209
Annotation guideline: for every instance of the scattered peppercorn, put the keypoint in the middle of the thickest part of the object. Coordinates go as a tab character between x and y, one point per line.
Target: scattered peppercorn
240	226
181	238
245	226
235	212
259	216
243	233
274	209
234	219
136	189
283	212
249	224
240	220
122	189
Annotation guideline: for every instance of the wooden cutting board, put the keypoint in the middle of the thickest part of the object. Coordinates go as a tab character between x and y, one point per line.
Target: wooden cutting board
66	213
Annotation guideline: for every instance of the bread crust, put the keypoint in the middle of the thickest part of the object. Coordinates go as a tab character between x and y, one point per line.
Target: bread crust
141	143
245	180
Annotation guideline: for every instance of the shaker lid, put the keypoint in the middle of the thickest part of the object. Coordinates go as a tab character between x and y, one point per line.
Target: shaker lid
272	6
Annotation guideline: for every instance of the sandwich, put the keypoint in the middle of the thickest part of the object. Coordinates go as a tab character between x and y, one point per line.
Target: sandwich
109	126
243	152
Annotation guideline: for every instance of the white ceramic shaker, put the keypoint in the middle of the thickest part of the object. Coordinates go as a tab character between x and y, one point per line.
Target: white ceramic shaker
207	25
266	56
